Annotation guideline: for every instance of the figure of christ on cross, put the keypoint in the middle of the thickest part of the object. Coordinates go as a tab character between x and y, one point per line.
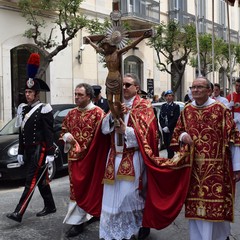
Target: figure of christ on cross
114	79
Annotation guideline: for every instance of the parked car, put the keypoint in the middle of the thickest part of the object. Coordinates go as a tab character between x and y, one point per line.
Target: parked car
10	169
157	107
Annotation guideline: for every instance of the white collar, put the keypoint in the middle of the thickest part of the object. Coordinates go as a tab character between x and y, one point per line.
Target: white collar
129	102
88	107
208	102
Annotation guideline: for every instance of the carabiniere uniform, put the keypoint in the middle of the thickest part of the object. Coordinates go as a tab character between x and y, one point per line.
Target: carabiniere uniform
168	118
35	142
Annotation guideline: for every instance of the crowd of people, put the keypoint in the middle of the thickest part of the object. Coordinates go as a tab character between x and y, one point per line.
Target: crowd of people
115	172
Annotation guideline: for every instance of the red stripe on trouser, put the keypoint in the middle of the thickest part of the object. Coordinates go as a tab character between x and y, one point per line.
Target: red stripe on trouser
34	180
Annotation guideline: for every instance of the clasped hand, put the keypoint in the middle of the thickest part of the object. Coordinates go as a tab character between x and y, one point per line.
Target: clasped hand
122	127
187	139
68	137
69	141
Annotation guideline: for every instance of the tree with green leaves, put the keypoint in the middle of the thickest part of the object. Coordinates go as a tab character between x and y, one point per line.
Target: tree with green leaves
221	55
64	16
173	44
205	52
223	59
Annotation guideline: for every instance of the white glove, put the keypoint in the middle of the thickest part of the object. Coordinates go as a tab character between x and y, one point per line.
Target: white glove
166	130
20	159
49	159
231	104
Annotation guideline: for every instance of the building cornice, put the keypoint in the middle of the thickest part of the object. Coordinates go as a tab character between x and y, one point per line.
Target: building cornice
12	5
9	5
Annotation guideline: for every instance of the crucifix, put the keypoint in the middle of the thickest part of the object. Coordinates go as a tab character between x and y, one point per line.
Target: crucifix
112	46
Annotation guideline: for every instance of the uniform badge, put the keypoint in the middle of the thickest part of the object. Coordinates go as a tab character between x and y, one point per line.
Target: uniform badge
30	83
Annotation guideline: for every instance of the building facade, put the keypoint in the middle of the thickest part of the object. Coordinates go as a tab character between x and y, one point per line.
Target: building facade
80	63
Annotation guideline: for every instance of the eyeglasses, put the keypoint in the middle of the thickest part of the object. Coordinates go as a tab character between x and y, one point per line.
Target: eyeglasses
198	87
128	85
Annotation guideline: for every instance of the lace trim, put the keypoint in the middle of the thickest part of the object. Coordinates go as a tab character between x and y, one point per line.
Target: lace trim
120	226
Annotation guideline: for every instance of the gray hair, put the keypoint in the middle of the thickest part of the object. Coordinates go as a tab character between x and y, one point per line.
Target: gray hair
134	77
88	88
209	84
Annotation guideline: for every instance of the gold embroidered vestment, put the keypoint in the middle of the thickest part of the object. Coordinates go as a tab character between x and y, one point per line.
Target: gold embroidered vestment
211	190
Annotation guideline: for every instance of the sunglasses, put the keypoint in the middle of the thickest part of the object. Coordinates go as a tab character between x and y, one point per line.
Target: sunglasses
128	85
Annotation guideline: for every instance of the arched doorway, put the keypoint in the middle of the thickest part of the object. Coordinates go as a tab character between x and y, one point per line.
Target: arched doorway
19	58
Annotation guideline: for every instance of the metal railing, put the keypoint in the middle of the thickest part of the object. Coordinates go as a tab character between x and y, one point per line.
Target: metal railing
144	10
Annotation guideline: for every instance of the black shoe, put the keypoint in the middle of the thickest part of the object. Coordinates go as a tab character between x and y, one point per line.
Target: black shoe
93	219
15	216
46	211
227	238
143	233
75	230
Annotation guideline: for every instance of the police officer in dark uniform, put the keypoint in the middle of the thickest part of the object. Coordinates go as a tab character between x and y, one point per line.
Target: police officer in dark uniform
36	148
169	114
98	100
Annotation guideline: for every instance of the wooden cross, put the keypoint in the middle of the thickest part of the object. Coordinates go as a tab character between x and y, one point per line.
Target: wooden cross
112	46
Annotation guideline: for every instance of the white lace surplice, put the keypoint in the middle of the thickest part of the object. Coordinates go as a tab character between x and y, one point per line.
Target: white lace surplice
122	205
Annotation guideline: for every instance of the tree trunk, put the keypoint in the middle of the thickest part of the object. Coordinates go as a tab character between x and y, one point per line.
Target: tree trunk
177	70
43	67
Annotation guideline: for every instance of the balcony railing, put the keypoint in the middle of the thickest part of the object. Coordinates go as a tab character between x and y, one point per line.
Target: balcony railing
205	26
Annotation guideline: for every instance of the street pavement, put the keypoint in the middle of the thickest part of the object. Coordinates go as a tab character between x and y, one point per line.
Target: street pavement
50	227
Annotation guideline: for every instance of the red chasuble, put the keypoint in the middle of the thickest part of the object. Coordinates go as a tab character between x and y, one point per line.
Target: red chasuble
211	190
167	179
86	167
236	100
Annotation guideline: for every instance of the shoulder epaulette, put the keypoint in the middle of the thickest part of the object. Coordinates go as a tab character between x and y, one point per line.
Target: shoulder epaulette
46	108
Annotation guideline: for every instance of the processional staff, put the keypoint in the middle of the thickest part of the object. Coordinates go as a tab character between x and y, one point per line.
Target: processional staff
112	45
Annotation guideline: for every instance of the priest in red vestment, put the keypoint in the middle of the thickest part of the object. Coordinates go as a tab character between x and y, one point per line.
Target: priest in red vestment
87	152
208	127
234	103
128	204
203	172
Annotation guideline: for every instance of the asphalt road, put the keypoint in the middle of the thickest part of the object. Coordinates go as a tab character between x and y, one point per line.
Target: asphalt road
50	227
